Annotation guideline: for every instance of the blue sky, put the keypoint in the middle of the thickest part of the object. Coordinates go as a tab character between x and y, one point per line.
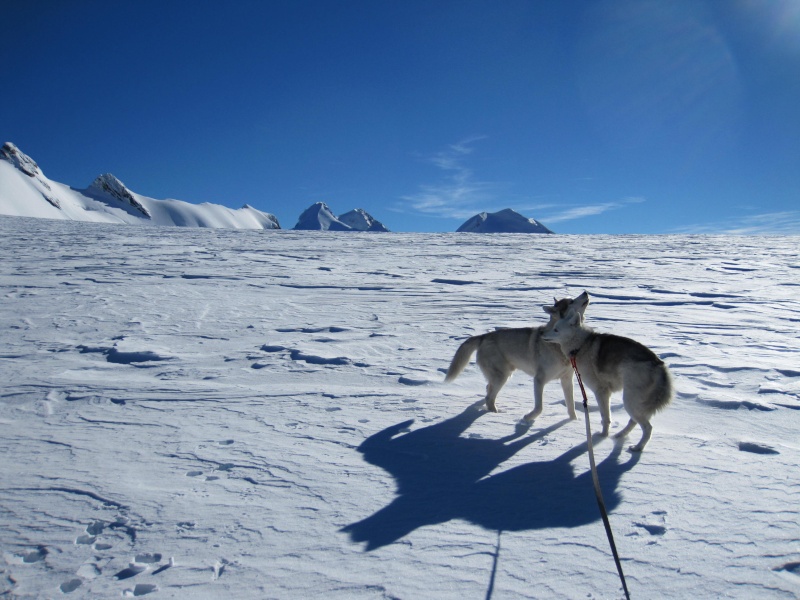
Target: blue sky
609	116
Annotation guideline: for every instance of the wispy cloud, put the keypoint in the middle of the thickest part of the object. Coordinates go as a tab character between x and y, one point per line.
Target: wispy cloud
773	223
457	193
589	210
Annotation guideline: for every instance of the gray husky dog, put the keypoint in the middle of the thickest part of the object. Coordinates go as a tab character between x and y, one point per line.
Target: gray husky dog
503	351
609	363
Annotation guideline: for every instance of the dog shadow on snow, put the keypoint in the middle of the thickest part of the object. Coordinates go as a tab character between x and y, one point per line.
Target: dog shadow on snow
442	476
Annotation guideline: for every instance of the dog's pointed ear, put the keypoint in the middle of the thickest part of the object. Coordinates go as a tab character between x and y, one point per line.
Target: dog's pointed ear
575	319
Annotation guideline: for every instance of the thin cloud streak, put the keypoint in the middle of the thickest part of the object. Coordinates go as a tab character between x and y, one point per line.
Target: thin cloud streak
579	212
775	223
458	193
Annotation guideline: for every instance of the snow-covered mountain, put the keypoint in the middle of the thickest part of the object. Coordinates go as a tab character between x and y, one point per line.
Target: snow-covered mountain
319	217
26	192
504	221
361	220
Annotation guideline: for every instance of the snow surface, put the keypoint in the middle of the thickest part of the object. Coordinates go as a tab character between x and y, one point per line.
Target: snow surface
248	414
26	192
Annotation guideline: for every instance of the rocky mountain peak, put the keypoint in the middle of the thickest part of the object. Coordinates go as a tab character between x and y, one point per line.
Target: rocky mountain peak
19	159
112	186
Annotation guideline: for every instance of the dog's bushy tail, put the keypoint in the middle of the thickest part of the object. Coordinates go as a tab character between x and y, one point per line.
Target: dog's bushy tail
462	356
663	392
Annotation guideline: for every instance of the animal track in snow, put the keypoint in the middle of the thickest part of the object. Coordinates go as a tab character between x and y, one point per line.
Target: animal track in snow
35	555
88	571
148	558
132	570
70	586
141	589
87	540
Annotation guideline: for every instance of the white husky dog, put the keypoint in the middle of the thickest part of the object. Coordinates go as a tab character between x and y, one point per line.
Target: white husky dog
609	363
503	351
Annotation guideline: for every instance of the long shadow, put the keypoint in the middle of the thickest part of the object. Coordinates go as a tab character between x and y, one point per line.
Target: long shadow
442	476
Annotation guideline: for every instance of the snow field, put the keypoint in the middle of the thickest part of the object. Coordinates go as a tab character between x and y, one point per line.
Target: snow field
262	415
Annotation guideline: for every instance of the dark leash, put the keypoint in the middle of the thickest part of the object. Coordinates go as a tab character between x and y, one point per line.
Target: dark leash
600	502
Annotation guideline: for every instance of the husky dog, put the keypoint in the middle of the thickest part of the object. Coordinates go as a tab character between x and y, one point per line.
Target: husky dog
609	363
501	352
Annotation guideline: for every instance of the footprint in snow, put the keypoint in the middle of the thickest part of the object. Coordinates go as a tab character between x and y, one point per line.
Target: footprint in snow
95	528
70	586
35	555
86	540
88	571
131	571
141	589
148	558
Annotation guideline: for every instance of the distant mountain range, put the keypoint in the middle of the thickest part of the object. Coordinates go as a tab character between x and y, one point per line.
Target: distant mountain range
25	191
319	217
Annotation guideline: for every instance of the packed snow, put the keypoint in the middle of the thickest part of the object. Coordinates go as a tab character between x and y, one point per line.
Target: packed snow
213	413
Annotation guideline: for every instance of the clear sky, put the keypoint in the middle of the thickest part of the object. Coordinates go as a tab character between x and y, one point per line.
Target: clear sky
609	116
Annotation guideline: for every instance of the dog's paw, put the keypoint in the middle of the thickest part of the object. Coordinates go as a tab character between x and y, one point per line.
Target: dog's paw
635	448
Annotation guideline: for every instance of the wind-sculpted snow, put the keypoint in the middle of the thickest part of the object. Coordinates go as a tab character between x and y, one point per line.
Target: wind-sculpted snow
248	414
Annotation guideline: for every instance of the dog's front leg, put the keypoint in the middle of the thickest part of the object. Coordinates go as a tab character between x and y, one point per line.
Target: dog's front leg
538	392
566	386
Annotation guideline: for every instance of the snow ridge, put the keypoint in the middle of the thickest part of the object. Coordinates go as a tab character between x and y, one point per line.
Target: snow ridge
114	187
25	164
26	192
19	159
